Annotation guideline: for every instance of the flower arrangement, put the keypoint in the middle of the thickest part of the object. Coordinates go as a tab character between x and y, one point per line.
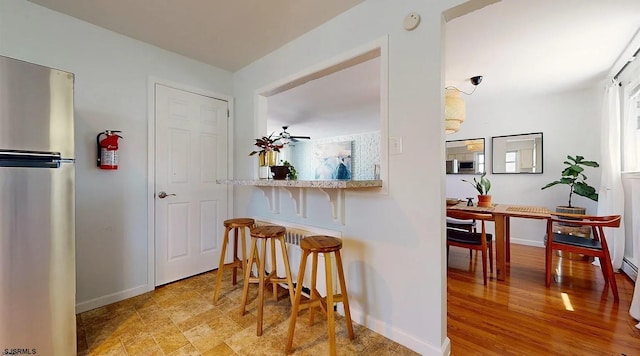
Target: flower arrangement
267	143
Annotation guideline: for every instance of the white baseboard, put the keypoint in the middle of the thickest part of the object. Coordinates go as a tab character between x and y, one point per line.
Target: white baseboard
111	298
630	269
399	336
446	347
527	242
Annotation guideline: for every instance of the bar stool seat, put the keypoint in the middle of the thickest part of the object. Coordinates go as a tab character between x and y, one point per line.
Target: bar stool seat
264	233
326	245
235	225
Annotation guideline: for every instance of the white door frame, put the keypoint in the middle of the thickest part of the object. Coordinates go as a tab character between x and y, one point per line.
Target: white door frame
151	150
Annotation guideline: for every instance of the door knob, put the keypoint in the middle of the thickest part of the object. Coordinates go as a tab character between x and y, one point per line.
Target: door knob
163	195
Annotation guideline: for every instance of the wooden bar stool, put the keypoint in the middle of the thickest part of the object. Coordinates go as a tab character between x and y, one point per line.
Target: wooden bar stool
265	233
325	245
235	225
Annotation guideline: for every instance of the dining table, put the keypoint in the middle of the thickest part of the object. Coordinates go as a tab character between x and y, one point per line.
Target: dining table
501	216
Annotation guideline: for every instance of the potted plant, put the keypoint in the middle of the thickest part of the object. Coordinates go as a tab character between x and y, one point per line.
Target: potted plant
269	146
483	185
284	171
573	176
293	174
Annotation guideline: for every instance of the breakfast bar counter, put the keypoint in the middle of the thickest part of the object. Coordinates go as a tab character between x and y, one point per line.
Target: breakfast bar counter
326	184
333	189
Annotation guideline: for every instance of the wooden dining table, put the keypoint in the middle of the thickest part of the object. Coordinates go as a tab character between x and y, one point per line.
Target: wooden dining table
502	214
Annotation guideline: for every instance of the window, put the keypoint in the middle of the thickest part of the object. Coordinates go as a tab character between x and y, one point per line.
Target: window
510	161
631	132
480	160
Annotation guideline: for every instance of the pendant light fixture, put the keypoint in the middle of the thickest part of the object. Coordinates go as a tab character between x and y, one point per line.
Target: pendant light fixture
454	106
454	111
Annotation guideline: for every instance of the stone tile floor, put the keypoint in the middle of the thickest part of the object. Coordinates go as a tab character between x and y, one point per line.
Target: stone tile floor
181	319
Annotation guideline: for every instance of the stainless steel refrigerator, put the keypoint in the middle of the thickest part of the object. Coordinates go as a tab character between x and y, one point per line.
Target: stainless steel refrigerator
37	210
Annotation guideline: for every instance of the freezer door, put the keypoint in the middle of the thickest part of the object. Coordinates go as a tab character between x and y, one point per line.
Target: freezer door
36	108
37	260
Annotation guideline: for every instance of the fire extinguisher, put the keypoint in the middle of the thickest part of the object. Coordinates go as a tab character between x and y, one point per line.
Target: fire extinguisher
108	149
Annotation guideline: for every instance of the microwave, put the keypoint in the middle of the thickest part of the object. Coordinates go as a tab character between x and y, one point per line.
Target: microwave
466	167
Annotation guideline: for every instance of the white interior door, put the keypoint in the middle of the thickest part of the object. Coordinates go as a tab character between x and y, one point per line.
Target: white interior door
191	153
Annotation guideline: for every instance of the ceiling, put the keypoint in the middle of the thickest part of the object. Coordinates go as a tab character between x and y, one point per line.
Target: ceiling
520	47
228	34
525	47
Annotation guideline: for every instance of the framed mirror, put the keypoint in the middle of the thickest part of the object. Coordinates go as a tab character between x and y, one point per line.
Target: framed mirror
516	154
465	156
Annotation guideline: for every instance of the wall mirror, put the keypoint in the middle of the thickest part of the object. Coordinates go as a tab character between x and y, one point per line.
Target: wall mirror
465	156
517	153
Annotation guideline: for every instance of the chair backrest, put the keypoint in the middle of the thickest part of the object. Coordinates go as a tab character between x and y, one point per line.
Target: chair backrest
589	220
468	215
597	223
468	225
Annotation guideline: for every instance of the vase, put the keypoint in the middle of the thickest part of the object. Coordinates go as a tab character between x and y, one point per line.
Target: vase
484	200
271	158
262	159
266	159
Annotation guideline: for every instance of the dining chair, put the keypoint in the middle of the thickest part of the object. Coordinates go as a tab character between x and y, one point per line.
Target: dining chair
595	246
472	240
469	225
462	224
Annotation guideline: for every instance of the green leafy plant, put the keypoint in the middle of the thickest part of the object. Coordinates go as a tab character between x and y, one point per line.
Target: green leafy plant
267	143
574	177
482	186
293	174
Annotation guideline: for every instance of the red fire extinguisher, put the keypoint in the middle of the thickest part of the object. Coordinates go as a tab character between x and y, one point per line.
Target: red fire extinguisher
108	149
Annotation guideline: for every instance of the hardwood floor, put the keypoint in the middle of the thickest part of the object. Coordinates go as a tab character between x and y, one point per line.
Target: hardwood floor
576	315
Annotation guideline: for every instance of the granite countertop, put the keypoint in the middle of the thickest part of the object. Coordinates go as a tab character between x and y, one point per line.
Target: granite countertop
337	184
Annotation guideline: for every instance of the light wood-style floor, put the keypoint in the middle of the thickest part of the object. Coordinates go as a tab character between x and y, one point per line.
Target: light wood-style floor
516	317
521	317
181	319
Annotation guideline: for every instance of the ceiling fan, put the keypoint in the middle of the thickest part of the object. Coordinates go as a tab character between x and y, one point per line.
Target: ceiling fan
285	137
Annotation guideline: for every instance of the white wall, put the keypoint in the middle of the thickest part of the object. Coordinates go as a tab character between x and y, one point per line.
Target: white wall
111	74
393	243
569	123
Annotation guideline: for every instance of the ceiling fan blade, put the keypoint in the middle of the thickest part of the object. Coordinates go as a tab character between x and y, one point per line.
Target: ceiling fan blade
301	137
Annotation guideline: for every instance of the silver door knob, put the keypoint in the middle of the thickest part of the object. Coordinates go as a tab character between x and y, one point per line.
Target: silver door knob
163	195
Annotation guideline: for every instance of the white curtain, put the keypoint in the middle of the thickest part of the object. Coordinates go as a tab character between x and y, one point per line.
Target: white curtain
611	193
635	302
631	126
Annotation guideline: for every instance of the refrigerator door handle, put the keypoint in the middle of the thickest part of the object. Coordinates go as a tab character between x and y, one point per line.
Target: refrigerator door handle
32	159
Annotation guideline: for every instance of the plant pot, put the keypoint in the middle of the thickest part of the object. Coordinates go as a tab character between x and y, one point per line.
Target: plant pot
279	172
267	158
570	210
484	200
